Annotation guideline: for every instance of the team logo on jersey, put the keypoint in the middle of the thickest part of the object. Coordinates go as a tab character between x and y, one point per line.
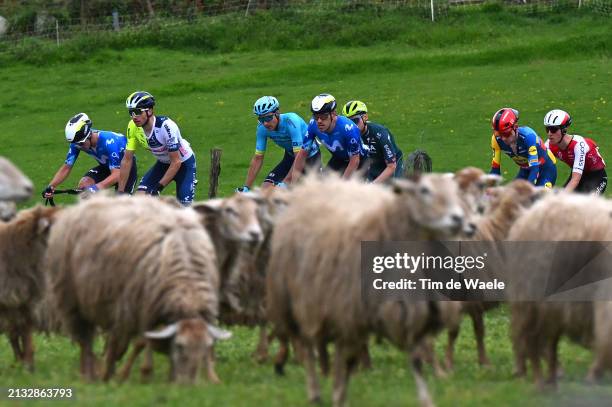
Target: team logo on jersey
110	141
114	155
533	150
336	145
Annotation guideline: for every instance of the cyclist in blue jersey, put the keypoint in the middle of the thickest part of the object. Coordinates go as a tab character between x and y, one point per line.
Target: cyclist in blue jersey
339	135
106	147
386	159
524	147
287	130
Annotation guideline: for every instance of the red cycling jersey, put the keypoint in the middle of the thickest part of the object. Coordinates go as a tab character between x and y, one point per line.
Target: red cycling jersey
582	154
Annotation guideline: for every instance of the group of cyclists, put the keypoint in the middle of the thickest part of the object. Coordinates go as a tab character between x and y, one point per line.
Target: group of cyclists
355	143
537	159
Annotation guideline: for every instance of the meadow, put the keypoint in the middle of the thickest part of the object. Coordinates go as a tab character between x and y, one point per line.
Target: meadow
435	87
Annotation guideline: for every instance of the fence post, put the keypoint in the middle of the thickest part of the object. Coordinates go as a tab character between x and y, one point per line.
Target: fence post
246	13
115	20
432	11
215	171
57	31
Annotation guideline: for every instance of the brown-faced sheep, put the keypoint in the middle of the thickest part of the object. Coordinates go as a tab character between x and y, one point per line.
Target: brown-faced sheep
314	292
23	242
537	327
128	265
14	185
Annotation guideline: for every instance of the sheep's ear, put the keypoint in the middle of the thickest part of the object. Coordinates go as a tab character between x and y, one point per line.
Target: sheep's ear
402	186
218	333
255	196
163	333
491	180
209	207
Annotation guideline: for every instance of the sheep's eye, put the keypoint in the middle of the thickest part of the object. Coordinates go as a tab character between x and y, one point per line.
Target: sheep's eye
424	191
231	211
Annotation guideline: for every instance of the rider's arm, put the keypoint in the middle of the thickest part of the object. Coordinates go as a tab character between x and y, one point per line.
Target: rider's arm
352	166
496	159
298	164
580	154
297	143
61	174
384	141
111	180
256	163
533	159
175	165
126	166
300	158
387	173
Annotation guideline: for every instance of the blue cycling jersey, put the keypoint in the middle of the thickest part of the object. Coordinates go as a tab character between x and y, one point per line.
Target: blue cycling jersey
531	153
344	141
109	150
289	135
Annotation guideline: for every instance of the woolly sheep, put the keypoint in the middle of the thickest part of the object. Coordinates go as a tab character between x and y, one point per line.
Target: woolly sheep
128	265
23	241
314	282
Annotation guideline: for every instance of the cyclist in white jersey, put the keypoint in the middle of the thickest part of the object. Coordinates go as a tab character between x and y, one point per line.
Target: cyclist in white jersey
160	135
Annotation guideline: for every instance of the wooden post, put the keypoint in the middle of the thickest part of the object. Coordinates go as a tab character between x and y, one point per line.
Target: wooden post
215	171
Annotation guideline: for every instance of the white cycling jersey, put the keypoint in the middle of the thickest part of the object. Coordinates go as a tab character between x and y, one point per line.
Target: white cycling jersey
165	137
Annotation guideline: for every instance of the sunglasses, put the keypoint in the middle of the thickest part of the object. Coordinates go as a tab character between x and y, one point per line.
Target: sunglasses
265	119
136	112
552	129
356	119
323	116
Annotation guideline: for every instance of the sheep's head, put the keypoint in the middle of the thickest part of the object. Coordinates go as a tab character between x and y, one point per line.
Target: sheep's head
191	344
274	202
473	184
434	203
235	218
14	185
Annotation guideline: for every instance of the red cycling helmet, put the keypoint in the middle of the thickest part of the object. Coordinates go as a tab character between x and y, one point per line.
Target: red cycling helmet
504	120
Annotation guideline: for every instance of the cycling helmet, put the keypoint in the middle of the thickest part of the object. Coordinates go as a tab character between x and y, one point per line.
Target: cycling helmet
323	103
353	108
558	118
140	100
78	128
504	119
265	105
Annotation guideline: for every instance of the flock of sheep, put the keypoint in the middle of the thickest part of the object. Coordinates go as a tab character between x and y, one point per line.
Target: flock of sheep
151	273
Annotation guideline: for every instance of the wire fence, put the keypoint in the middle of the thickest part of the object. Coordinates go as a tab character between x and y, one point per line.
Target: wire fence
55	23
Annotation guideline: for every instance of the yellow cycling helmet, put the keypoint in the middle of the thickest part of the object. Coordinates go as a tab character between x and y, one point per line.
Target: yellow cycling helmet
353	108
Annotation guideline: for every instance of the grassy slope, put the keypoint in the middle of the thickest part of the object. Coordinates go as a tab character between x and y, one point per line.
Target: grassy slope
435	89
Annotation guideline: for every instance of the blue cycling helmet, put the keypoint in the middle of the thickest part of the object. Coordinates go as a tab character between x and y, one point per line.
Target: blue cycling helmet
265	105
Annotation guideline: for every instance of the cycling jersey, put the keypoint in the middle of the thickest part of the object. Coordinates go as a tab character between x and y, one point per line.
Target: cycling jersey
582	154
165	138
344	141
381	146
108	151
531	155
289	135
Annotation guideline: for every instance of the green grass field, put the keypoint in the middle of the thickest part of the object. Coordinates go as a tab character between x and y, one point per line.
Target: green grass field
437	94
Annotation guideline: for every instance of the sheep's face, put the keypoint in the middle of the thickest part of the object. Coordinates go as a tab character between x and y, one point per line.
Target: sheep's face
7	210
473	184
274	202
433	202
189	348
236	217
14	185
192	343
518	193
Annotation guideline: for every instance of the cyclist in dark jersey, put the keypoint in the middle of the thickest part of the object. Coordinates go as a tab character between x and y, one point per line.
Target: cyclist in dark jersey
385	158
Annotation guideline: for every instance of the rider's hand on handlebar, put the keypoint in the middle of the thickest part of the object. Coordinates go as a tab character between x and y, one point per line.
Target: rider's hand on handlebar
47	193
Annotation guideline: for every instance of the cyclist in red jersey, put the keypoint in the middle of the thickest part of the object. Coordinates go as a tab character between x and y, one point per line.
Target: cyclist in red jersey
580	153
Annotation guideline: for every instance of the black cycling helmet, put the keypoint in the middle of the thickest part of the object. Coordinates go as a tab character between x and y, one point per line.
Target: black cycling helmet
140	100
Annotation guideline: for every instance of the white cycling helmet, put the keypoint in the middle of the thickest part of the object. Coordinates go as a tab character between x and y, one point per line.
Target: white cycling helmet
323	103
559	118
78	128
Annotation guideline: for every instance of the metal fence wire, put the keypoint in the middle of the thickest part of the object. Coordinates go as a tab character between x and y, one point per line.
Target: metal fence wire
58	20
